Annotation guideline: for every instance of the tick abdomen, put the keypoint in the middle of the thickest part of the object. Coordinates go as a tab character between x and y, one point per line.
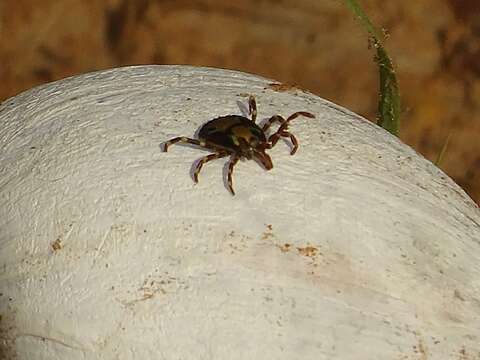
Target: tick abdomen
228	130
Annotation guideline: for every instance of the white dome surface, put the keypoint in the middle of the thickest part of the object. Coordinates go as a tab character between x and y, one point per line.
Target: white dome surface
354	248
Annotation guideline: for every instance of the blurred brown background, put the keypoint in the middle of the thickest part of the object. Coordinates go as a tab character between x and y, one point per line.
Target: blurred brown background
435	45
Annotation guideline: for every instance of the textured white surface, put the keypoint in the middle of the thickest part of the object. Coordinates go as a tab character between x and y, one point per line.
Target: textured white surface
353	248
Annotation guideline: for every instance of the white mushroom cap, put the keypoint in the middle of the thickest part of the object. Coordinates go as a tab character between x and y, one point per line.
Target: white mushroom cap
355	248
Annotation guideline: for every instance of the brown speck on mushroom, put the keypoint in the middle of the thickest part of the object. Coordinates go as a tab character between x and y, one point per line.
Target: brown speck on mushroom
309	251
457	295
285	247
282	87
56	245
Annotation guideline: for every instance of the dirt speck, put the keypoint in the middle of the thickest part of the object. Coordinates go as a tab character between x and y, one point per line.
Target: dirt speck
464	355
282	87
420	349
56	245
309	251
267	234
458	295
285	247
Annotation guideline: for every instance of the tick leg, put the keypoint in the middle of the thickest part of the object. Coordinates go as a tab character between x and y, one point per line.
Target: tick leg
282	130
252	107
181	139
185	140
270	122
204	160
293	139
300	113
233	161
275	137
283	122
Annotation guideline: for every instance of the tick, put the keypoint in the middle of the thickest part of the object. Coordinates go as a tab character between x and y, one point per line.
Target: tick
240	137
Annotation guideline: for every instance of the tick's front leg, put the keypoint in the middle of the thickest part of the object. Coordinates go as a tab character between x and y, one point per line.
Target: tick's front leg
204	160
273	119
275	137
300	113
233	161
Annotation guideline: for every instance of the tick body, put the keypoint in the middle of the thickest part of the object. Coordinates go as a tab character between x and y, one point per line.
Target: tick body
240	137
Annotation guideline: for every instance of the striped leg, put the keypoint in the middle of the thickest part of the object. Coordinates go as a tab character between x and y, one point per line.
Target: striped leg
233	161
270	122
293	139
185	140
283	122
182	139
300	113
282	130
275	137
252	107
204	160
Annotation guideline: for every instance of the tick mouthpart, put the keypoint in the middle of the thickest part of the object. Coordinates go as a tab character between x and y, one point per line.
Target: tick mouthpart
264	159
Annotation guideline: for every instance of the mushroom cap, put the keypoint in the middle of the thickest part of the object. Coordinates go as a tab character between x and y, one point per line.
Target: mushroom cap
355	248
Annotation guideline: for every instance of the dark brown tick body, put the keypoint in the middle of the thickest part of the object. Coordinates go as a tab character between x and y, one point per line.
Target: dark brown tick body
240	137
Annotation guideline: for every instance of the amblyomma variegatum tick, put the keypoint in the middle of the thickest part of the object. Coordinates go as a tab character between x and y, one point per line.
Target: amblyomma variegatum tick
240	137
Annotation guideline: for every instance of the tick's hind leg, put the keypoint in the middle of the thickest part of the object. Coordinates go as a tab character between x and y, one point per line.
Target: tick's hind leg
185	140
204	160
232	163
182	139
